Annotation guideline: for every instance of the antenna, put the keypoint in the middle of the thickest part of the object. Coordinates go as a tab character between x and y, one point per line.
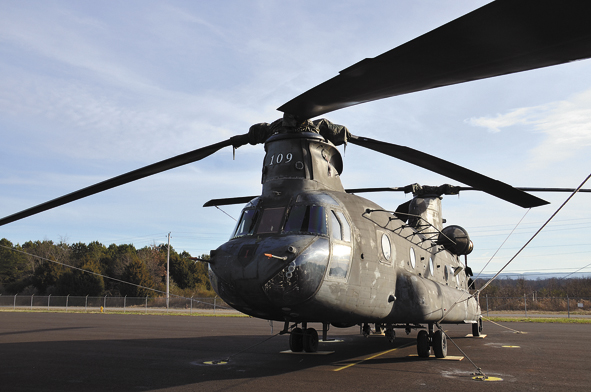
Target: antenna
168	274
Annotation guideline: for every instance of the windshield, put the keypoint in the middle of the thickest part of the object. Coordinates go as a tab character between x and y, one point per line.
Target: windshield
306	219
271	220
246	223
301	219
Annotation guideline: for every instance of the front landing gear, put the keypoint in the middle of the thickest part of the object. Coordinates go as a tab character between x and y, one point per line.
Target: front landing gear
303	340
310	340
296	340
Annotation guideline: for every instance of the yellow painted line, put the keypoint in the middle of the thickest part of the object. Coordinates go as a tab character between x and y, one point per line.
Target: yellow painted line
487	378
511	346
215	362
447	357
372	357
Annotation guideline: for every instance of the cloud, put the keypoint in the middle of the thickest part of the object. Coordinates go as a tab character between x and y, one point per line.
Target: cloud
566	125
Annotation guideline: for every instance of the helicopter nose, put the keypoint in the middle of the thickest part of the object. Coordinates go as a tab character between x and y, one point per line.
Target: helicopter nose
300	278
271	273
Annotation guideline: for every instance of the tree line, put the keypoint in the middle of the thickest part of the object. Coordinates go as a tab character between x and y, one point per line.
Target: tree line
45	267
551	287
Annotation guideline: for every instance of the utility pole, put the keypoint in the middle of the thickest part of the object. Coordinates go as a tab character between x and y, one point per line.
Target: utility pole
168	274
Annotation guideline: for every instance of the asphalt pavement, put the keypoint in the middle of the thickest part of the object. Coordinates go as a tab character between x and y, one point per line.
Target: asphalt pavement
118	352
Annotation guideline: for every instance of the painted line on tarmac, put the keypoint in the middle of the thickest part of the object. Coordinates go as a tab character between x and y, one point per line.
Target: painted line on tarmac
372	357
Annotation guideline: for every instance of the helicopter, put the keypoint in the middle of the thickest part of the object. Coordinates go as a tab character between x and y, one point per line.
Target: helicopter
308	251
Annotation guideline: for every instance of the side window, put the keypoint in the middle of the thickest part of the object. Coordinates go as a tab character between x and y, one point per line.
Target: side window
386	247
413	258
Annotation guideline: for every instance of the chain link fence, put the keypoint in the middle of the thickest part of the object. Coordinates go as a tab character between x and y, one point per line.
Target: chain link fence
535	304
525	304
117	304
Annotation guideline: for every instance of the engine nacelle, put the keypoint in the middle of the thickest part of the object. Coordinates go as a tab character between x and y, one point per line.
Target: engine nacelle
456	240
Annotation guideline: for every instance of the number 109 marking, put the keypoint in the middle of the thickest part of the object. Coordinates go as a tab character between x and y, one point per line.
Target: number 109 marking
279	158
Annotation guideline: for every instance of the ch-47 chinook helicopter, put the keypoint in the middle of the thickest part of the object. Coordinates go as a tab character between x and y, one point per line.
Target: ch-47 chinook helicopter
308	251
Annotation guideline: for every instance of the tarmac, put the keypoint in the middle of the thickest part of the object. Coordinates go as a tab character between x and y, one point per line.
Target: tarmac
123	352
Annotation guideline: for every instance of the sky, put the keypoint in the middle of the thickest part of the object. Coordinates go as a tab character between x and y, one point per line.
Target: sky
91	90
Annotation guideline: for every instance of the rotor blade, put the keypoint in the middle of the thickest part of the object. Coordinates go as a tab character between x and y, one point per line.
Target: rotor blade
134	175
529	189
246	199
367	190
502	37
451	170
229	201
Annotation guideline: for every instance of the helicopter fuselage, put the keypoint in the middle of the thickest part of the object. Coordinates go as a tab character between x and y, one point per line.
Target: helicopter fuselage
307	251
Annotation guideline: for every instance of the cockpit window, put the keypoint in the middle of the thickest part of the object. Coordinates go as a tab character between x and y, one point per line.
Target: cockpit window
271	220
345	228
307	219
335	226
246	223
339	262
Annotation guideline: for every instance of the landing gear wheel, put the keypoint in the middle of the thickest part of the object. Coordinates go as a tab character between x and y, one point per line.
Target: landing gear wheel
423	348
296	340
366	330
477	328
439	344
390	334
310	340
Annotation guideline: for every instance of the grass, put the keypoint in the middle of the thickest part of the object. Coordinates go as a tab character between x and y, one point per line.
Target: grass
142	313
559	320
221	313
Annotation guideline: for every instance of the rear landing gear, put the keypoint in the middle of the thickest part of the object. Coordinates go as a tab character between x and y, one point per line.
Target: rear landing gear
436	339
477	328
423	344
439	344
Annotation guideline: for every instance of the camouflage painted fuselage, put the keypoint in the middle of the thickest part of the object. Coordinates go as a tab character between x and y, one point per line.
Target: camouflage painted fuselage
308	251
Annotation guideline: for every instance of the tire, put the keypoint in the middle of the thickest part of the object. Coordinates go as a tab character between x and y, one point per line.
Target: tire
423	349
476	329
296	340
310	340
439	344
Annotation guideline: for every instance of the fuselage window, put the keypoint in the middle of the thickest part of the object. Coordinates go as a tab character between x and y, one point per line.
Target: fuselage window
413	260
246	223
271	220
430	270
386	247
340	261
306	219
